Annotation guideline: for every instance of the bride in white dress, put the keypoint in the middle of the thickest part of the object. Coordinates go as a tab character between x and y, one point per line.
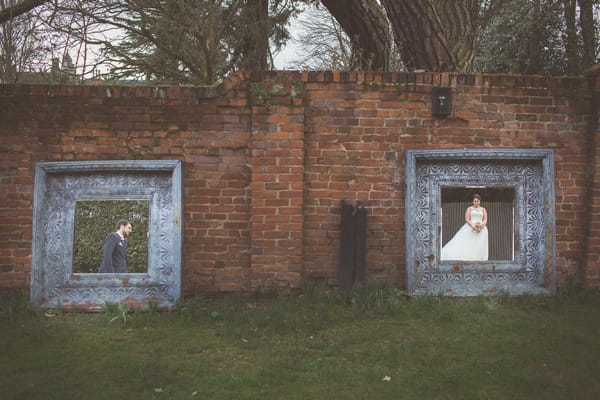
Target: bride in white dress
470	243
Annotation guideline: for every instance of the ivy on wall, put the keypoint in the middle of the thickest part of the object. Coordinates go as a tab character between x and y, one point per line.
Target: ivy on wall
94	219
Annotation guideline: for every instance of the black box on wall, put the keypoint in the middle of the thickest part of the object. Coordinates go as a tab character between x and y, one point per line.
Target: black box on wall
442	101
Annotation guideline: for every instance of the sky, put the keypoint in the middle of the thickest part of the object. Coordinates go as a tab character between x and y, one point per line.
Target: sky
284	59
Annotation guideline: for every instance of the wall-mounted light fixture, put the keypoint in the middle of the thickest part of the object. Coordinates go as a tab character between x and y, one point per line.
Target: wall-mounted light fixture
442	101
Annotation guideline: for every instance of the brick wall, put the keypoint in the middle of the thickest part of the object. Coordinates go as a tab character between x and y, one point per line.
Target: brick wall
590	267
268	158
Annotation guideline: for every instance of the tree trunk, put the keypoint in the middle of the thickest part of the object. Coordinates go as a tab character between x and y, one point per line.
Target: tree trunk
435	35
572	61
366	25
530	60
257	45
588	30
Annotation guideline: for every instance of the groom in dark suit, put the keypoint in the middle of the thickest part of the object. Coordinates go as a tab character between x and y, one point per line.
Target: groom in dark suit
114	252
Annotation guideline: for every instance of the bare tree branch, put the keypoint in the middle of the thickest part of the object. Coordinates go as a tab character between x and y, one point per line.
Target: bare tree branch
8	13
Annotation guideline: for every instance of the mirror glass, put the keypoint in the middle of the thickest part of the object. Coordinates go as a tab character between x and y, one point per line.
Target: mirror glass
499	203
94	219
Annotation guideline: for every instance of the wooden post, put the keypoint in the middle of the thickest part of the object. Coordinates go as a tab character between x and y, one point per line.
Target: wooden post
353	245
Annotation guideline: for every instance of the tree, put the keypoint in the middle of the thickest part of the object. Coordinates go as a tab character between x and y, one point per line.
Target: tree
174	41
552	37
12	9
184	41
570	9
366	25
163	41
325	46
436	35
21	45
588	31
515	36
42	44
255	48
202	41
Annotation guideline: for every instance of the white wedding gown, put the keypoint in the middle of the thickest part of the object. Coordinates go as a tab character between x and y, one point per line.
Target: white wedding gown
468	244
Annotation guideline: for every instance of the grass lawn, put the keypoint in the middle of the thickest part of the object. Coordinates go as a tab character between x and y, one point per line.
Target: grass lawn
368	344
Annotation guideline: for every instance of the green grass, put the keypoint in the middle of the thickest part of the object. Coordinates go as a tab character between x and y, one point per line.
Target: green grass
321	345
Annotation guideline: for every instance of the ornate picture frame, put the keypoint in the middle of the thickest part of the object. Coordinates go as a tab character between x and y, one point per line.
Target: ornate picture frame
529	172
58	185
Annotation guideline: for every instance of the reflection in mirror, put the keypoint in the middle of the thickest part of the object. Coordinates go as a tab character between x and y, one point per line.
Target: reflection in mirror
94	219
500	206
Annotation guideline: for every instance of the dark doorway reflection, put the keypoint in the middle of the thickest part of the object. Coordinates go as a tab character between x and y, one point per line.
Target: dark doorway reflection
94	219
500	206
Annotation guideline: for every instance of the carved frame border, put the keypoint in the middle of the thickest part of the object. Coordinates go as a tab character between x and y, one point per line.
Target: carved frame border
530	172
58	185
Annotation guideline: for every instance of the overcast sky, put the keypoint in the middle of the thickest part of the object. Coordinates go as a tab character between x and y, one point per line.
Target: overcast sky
284	59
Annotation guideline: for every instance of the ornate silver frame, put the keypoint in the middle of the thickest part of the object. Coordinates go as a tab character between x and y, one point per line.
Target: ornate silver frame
58	185
529	172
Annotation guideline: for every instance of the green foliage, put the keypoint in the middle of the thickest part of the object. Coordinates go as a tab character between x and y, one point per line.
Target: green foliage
373	298
193	42
95	219
116	312
523	37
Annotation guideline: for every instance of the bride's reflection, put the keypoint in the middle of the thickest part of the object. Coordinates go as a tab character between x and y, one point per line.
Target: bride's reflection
470	243
479	233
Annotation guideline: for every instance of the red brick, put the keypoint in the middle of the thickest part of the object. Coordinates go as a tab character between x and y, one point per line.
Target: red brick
271	180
